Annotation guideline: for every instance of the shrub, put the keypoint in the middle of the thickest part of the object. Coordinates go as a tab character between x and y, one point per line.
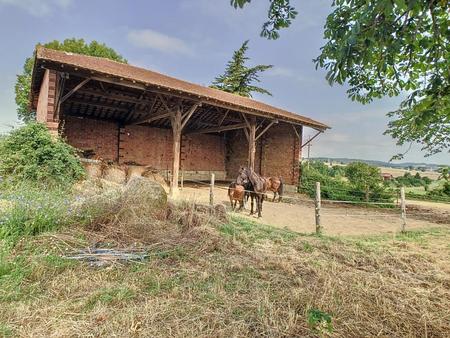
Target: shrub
31	153
362	184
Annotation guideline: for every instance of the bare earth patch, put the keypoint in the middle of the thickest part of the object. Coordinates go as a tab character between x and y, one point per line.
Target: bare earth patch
336	219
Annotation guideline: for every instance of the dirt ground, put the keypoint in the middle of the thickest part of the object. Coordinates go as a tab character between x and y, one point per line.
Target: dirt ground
336	219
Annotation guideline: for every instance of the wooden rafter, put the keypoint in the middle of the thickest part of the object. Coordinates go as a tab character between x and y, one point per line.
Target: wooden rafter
218	129
310	140
245	120
265	129
186	116
296	132
133	110
100	104
74	89
223	118
151	118
164	102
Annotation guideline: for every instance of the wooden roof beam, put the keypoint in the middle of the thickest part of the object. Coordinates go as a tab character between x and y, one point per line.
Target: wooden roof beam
266	129
74	89
218	129
99	104
150	119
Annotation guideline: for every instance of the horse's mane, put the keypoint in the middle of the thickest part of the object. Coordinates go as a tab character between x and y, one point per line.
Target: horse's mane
257	181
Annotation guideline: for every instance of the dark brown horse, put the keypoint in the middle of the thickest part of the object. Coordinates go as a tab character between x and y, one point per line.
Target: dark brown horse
257	184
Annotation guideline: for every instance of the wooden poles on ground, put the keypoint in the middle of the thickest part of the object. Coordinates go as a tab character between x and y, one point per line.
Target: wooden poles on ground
317	205
403	208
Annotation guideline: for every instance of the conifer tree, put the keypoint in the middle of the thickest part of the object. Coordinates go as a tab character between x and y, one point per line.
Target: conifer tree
238	78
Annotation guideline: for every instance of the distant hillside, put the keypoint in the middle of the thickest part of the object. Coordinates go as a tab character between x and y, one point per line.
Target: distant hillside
403	165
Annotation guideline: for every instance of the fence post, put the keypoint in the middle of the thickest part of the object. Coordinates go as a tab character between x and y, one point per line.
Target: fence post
403	208
211	190
182	180
318	203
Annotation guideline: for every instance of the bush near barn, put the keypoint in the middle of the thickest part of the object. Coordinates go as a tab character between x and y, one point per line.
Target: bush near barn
31	153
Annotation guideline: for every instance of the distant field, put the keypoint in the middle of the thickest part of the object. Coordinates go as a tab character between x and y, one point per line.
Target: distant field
400	172
396	172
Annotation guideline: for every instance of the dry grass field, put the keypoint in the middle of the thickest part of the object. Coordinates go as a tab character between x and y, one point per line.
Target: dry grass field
209	276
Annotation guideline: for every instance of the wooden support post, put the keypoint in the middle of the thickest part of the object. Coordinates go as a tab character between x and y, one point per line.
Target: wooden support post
175	120
318	204
252	143
182	180
178	121
211	190
403	208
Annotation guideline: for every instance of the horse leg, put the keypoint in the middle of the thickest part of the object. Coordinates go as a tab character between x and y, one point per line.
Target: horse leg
260	202
251	210
274	195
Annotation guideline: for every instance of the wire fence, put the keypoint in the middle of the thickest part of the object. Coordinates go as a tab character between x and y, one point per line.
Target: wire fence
396	211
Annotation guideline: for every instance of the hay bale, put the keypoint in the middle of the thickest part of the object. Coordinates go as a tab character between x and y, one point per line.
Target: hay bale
115	174
142	191
135	171
155	176
93	170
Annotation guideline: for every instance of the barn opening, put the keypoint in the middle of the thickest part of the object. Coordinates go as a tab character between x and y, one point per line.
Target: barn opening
129	115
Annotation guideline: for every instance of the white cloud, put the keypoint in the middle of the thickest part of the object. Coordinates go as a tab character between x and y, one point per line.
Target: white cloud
38	8
147	38
288	73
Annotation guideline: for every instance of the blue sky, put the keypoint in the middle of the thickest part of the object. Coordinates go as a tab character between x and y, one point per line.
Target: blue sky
192	40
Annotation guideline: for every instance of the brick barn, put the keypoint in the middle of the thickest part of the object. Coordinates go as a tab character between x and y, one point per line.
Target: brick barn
130	115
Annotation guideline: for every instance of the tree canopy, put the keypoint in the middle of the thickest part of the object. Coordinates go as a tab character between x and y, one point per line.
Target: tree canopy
23	83
363	177
385	48
239	78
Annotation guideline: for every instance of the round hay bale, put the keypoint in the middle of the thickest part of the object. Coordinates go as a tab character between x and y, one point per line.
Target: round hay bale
93	170
115	174
135	171
152	174
144	192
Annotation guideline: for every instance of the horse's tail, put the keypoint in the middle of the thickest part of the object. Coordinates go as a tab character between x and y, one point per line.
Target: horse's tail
280	189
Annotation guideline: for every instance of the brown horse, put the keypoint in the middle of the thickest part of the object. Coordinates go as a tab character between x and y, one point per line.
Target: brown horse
236	193
248	178
275	184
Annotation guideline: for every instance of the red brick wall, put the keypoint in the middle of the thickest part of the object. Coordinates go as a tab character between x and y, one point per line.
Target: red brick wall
281	153
203	152
237	153
87	134
146	146
45	112
277	153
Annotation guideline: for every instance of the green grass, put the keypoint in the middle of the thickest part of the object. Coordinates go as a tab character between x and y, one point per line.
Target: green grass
111	296
5	331
252	232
